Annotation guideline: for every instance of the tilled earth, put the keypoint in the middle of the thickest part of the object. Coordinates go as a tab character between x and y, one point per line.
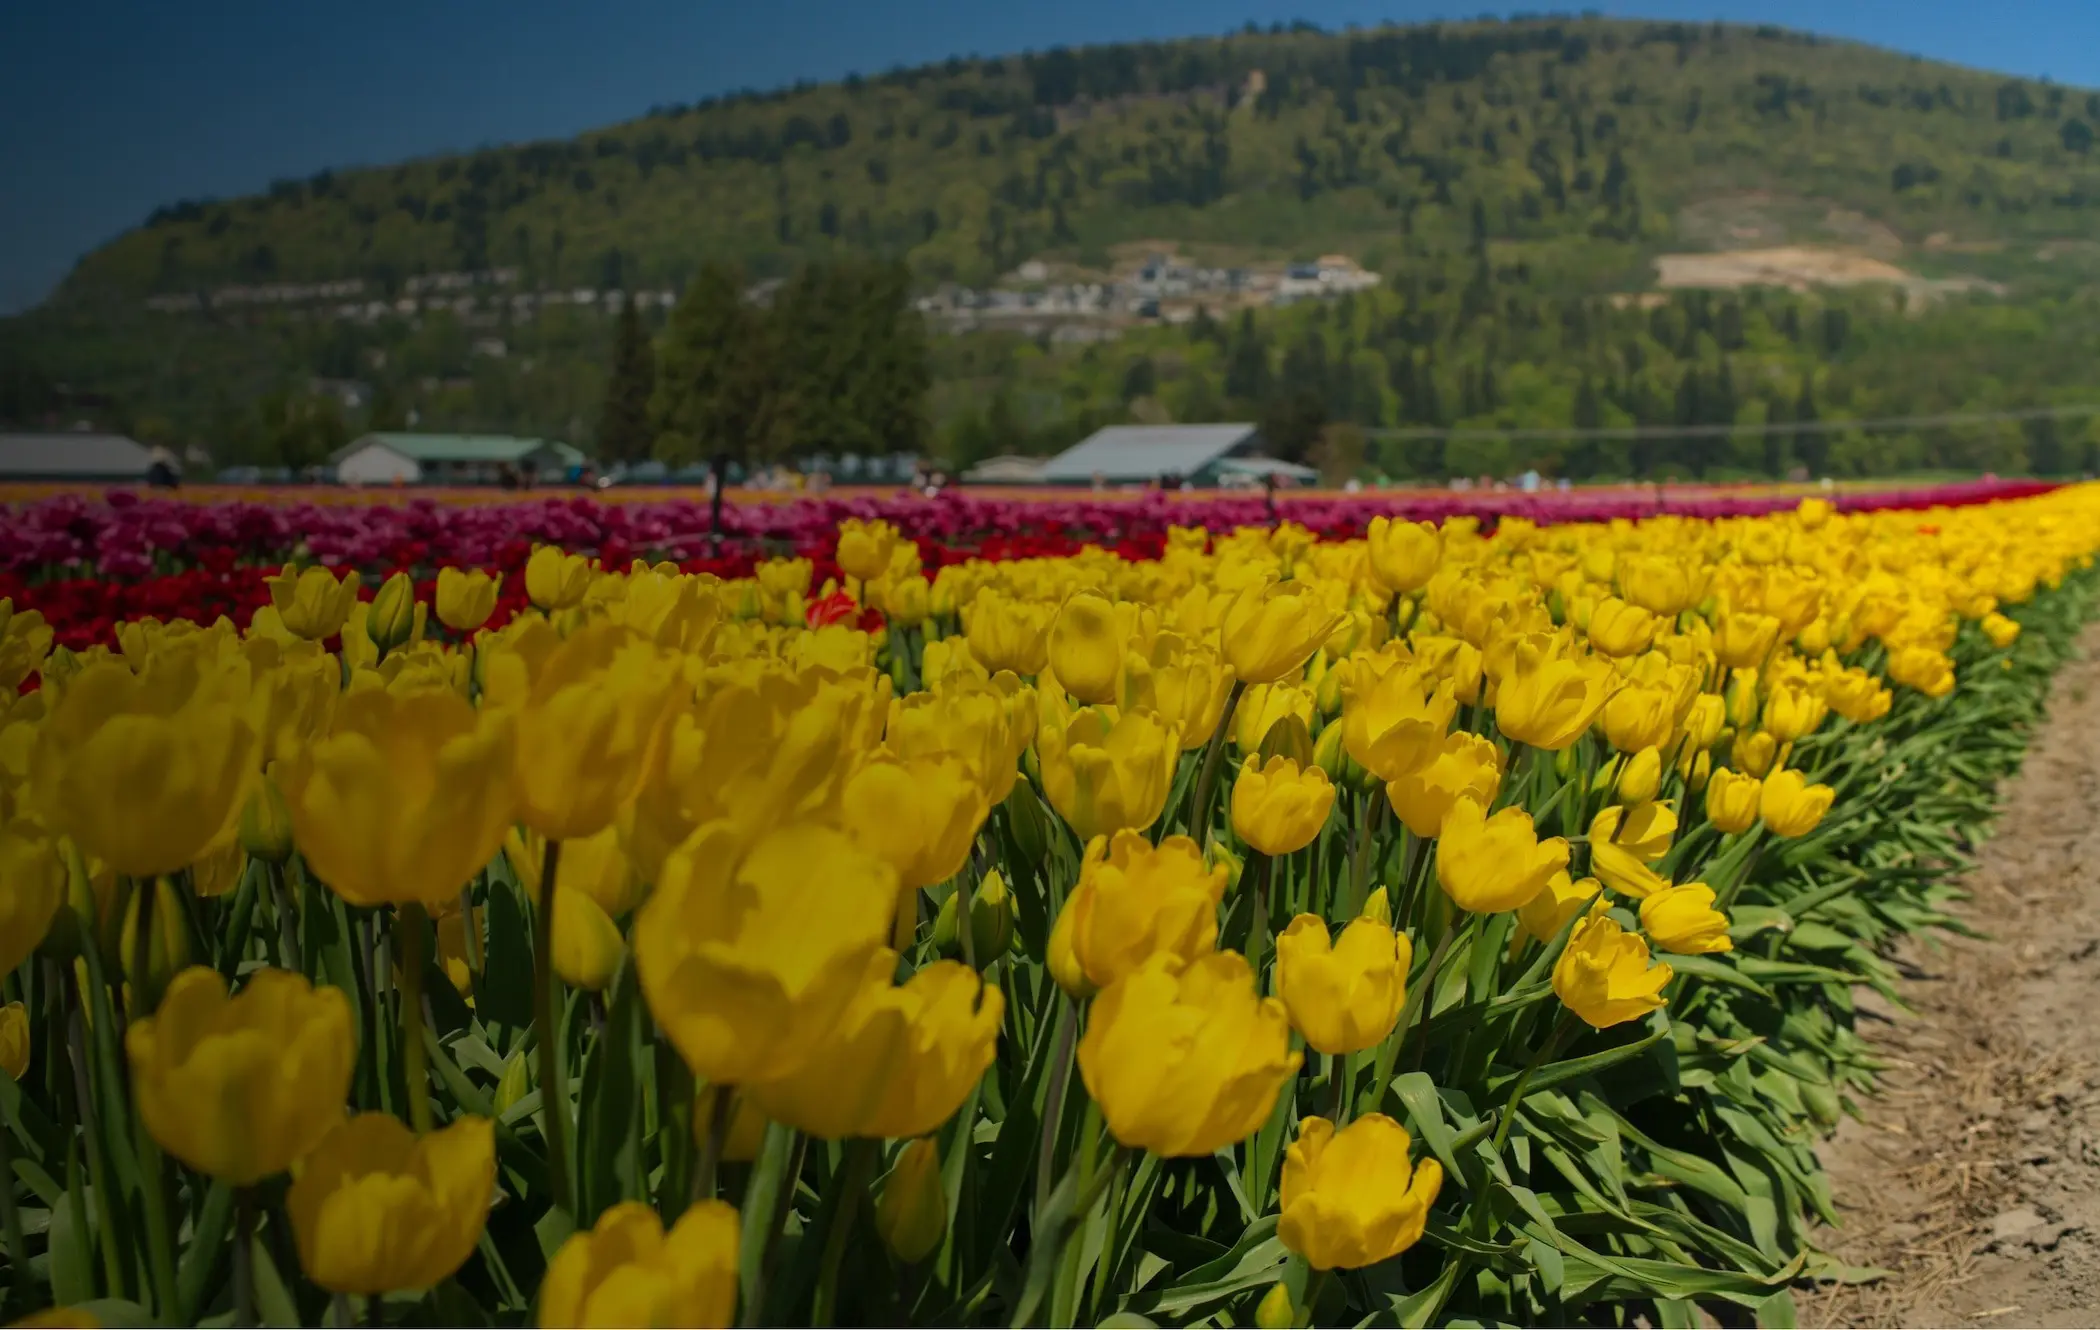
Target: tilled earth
1974	1177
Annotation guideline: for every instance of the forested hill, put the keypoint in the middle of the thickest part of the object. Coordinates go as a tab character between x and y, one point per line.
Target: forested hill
1588	138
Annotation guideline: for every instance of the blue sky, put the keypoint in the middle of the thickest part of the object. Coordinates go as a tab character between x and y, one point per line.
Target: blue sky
110	108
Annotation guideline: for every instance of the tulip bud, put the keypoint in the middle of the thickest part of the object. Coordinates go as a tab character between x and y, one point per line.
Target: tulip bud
266	826
1327	692
1378	908
912	1215
991	921
517	1079
1025	820
167	951
1640	777
395	614
1288	737
1702	770
1276	1311
1063	961
14	1040
1607	776
1222	855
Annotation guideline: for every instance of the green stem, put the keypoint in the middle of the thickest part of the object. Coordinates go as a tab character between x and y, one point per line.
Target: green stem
287	920
721	1108
1315	1284
243	1256
1424	998
1360	873
160	1246
1561	1029
554	1096
1054	1101
409	924
769	1251
859	1165
1207	775
19	1287
1258	926
107	1225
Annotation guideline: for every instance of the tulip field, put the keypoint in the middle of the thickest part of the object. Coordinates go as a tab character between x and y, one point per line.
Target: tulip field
959	911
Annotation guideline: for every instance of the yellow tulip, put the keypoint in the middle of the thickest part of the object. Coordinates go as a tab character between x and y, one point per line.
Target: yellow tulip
1270	630
14	1040
1185	1058
218	871
265	828
555	579
1007	633
1732	800
985	725
1561	899
1743	641
747	1125
143	771
1604	976
588	948
1490	864
1704	721
1186	686
1637	717
1619	629
866	547
912	1215
1342	996
1921	668
900	1060
1683	920
242	1087
920	815
466	599
596	866
396	617
33	884
1279	808
25	642
377	1209
1657	583
1463	767
1135	900
1857	695
312	603
1794	713
1791	806
1455	660
1641	776
2002	632
293	695
1550	696
1395	723
626	1271
1105	772
1265	706
405	800
748	959
1623	844
1353	1197
1087	644
1403	555
588	730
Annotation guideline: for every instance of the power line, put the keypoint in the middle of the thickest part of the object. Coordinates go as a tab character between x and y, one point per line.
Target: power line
1728	431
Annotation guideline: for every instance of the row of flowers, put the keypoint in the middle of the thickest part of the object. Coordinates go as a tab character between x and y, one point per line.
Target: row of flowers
124	535
1436	924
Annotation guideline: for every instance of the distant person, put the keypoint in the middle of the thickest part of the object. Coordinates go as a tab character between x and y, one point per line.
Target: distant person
162	475
1100	483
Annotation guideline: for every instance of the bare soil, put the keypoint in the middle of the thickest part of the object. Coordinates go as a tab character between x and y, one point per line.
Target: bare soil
1974	1177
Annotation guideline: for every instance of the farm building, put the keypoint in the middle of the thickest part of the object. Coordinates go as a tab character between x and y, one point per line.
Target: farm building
450	459
74	456
1138	454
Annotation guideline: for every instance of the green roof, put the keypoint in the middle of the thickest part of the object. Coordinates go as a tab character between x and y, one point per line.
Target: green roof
461	447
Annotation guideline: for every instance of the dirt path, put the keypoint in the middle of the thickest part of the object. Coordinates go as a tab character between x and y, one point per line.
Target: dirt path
1975	1176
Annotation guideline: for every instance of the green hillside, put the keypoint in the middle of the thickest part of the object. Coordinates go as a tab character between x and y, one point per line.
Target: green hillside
1573	133
1512	185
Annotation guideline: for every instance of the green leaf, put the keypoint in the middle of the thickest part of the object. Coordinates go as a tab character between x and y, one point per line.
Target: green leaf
608	1137
206	1254
505	994
1569	1069
1255	1261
